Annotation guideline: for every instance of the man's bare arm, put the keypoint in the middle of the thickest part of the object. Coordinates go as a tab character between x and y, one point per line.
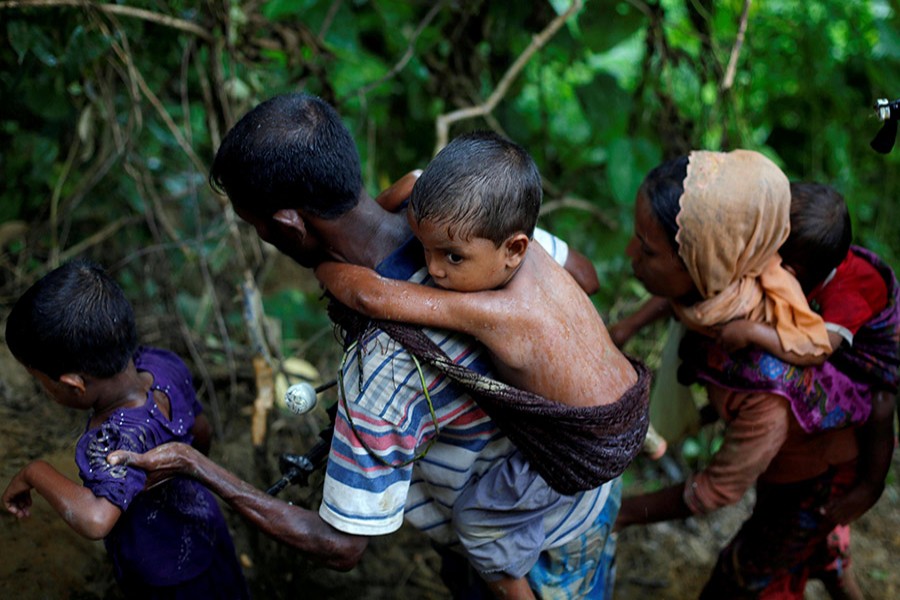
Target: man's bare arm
292	525
663	505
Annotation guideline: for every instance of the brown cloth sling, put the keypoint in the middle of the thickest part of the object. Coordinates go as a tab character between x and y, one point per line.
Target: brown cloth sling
573	448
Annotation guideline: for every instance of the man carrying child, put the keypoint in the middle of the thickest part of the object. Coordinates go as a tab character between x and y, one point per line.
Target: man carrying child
291	170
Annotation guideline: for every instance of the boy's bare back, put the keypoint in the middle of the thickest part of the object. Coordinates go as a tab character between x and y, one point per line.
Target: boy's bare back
547	337
541	328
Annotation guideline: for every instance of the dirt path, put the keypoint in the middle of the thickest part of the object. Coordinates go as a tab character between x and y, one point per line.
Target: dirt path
671	561
41	558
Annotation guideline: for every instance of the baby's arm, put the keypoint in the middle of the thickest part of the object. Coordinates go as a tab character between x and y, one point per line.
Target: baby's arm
367	292
740	333
876	445
653	309
89	515
391	198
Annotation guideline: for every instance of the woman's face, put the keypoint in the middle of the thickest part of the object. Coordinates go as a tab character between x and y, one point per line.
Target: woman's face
654	261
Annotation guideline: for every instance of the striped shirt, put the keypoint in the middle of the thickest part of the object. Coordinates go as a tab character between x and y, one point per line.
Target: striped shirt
370	483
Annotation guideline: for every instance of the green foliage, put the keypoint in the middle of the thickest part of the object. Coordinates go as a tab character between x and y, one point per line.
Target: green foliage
112	119
302	315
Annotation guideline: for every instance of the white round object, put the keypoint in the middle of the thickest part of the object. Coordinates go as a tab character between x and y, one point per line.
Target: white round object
300	398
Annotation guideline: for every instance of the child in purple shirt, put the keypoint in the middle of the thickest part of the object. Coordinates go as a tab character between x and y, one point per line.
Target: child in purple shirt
74	331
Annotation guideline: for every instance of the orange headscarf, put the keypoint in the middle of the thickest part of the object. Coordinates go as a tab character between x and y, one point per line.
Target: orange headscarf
734	216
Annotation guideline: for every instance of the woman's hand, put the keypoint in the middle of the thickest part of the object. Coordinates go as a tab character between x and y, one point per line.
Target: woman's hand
854	503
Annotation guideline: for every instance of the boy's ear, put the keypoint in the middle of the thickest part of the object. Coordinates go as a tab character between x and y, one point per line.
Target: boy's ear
516	246
290	220
73	380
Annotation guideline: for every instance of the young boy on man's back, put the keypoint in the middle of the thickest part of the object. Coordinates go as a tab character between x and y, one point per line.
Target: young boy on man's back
474	209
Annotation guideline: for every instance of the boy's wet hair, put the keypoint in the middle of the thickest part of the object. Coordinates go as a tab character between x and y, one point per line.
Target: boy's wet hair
821	231
290	152
663	187
75	319
480	185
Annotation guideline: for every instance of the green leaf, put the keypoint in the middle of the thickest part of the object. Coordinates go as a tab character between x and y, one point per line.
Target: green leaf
25	38
19	35
603	24
629	161
606	106
278	10
691	448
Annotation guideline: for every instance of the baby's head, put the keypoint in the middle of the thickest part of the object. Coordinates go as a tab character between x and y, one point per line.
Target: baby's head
75	321
820	233
474	209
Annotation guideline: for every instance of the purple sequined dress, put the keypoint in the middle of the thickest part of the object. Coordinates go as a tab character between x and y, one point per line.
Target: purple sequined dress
171	541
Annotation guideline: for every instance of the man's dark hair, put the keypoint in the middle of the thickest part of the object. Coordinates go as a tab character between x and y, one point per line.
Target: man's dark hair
291	151
75	319
663	187
821	231
480	185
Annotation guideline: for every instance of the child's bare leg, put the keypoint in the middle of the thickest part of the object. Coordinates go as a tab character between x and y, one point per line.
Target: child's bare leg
845	587
511	589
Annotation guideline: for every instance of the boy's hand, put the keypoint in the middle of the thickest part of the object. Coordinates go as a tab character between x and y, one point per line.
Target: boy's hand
17	496
735	335
854	503
391	198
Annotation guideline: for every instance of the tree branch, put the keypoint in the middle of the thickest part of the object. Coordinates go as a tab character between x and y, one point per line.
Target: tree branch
96	238
406	55
579	204
537	42
125	11
728	80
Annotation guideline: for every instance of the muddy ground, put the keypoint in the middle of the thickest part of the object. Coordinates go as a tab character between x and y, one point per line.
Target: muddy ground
40	558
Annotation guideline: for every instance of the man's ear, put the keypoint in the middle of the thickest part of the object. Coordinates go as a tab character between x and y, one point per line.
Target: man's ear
516	246
291	221
73	380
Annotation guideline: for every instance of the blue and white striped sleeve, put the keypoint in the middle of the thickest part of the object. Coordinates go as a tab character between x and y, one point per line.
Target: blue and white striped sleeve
381	424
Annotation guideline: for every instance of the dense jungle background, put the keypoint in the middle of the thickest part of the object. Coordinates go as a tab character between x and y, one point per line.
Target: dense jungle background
110	114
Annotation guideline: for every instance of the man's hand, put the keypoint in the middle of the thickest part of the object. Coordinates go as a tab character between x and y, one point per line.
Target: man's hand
17	496
160	463
298	527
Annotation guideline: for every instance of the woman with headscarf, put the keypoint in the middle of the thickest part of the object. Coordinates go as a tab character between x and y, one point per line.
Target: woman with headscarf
707	232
